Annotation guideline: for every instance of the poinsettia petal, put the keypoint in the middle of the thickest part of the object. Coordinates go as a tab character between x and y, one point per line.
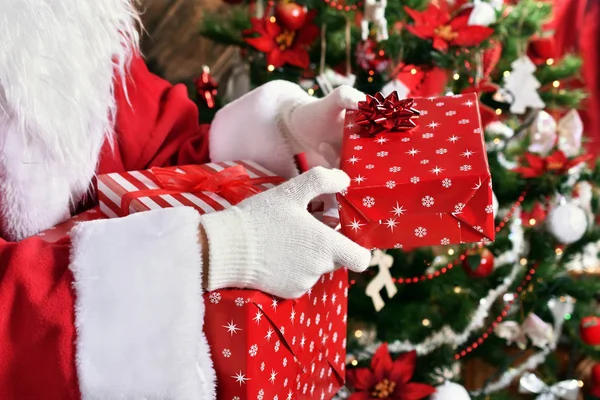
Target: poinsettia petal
472	35
273	29
307	35
423	33
359	396
296	56
417	16
361	378
264	43
459	22
403	367
276	58
414	391
535	162
440	44
381	363
578	160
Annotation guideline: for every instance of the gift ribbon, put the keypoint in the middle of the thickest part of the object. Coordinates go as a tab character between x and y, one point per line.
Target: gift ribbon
380	114
564	390
233	183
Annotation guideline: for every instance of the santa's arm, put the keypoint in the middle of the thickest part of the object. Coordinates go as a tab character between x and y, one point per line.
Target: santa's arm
116	312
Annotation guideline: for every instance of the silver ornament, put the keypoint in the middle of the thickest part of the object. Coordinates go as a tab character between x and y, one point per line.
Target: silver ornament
567	223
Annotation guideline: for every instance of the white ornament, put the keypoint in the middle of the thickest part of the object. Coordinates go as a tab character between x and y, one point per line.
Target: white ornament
495	204
329	80
375	12
539	332
497	128
482	14
382	280
567	222
523	86
450	391
545	131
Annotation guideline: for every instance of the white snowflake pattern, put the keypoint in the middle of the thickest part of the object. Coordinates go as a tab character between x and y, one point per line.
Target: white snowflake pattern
459	207
390	184
446	182
468	103
425	161
235	398
358	147
477	131
415	179
450	113
427	135
463	121
382	154
226	353
405	139
478	229
354	136
465	167
445	241
424	112
262	366
253	350
215	297
397	246
439	104
284	362
239	302
277	345
489	209
353	160
368	202
311	347
420	232
395	169
427	201
369	166
441	150
338	310
381	140
260	395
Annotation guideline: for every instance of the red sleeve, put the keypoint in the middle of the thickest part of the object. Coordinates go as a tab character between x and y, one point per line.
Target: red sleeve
156	125
37	335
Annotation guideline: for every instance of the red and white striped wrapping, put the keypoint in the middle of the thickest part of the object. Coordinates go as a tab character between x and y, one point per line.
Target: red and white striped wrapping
112	188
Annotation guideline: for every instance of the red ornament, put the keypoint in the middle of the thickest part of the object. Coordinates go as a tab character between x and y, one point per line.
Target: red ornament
206	87
589	330
479	263
290	15
378	114
556	163
536	216
541	49
282	45
370	58
387	379
437	24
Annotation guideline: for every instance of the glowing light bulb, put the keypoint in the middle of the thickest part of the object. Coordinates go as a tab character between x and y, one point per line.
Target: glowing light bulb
532	221
413	71
426	322
523	261
272	19
456	77
450	252
457	289
354	362
311	91
358	333
271	68
498	111
556	84
506	74
550	61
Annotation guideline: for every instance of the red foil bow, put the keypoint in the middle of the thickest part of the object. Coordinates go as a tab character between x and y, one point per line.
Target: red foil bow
378	114
233	183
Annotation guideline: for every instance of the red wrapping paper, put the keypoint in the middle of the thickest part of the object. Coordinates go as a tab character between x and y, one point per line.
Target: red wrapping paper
62	230
429	186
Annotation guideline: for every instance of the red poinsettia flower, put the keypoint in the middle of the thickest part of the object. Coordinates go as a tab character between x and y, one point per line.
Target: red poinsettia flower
281	45
437	24
387	379
556	163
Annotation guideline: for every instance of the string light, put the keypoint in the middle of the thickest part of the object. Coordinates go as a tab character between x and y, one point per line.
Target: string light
532	221
413	71
506	74
550	61
311	91
358	333
523	261
370	79
457	289
556	84
354	362
371	72
498	111
450	252
271	68
456	77
342	7
580	384
562	91
425	322
272	19
558	251
567	317
497	141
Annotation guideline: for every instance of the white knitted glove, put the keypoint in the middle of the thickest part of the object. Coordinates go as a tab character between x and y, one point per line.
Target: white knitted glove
270	242
278	120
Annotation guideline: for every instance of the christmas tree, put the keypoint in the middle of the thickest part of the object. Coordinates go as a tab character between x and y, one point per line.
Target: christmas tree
508	318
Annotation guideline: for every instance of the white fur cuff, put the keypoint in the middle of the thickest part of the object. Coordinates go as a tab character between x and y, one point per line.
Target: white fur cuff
139	308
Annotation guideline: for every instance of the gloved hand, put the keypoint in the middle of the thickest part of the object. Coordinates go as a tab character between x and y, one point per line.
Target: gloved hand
270	242
278	120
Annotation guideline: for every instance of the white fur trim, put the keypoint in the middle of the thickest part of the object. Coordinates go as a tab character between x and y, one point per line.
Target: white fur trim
57	64
139	308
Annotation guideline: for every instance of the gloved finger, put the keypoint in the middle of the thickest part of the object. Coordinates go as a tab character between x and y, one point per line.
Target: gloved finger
346	97
315	182
349	254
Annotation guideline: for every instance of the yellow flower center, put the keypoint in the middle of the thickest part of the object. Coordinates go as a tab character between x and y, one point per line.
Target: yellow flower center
383	389
446	32
285	39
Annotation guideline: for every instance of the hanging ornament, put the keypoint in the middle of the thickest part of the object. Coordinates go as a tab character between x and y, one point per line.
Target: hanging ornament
542	50
533	328
479	263
522	85
589	331
374	12
290	15
564	390
482	13
382	280
535	216
545	134
450	391
567	223
370	58
206	87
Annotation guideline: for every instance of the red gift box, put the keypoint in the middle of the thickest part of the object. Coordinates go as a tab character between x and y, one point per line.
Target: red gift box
425	186
266	348
207	188
62	230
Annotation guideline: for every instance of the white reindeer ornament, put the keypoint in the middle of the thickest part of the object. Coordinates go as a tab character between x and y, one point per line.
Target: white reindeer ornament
383	279
375	13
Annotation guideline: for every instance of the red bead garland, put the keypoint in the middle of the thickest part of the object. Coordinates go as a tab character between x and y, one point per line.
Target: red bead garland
498	319
341	7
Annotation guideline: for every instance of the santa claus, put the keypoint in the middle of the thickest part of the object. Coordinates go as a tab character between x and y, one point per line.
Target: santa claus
116	312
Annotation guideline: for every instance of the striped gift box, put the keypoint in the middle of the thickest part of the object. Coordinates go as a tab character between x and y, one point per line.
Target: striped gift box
113	187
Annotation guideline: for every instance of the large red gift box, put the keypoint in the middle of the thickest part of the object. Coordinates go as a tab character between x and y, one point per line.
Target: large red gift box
62	230
429	185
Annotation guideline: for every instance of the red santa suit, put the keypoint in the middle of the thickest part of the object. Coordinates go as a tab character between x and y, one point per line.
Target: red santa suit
116	311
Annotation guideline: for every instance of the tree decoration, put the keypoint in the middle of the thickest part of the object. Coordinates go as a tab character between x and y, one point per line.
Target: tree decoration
450	391
564	390
374	12
589	330
378	114
369	57
382	280
535	216
387	378
437	24
482	13
556	163
534	328
522	86
595	389
479	263
567	223
546	134
206	87
290	15
282	45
